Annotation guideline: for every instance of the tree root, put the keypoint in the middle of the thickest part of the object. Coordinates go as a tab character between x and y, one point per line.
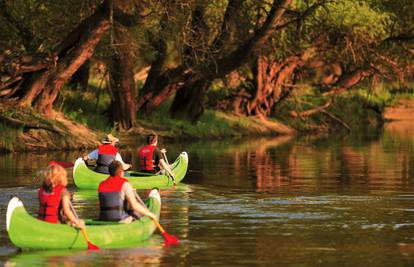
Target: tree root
321	109
29	125
335	118
312	111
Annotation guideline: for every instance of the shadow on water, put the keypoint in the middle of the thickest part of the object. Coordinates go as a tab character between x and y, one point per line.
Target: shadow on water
310	201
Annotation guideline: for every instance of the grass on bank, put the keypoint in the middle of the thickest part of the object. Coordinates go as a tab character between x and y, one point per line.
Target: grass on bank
212	125
358	108
88	107
85	107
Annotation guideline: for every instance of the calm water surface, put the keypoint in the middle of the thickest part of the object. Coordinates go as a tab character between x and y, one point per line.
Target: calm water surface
316	201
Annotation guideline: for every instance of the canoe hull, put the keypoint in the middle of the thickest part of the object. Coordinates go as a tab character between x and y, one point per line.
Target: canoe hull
27	232
85	178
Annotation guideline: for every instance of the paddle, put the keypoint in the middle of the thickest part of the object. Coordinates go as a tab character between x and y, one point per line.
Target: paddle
61	163
164	154
85	234
168	239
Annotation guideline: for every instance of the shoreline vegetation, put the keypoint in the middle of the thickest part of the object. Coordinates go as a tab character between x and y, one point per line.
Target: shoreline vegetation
81	121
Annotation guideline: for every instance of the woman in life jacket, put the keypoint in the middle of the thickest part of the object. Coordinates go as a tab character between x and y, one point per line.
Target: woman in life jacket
105	154
54	198
117	198
151	157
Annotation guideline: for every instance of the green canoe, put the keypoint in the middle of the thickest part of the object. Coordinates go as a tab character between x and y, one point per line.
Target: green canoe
85	178
27	232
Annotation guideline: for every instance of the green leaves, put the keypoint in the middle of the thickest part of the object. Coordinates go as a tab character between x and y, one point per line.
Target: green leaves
355	18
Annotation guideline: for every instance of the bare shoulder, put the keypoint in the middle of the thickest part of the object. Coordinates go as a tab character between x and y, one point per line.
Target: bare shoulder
127	186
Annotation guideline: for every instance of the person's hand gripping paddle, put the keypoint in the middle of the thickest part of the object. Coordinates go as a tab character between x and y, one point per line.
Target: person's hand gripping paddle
91	246
168	239
164	155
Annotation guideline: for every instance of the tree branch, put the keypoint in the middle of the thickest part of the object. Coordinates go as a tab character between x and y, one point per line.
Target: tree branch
228	25
242	54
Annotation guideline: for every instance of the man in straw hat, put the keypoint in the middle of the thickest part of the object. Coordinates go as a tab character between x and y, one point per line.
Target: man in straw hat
105	154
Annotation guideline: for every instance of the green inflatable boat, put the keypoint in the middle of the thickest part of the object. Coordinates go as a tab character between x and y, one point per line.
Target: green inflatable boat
85	178
28	233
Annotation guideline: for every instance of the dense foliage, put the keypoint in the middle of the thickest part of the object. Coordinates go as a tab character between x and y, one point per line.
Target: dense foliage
248	57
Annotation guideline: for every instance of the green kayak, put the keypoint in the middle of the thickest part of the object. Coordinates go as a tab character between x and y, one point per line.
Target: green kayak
86	178
27	232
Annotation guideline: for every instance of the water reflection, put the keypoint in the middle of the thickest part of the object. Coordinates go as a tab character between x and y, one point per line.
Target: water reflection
317	164
146	255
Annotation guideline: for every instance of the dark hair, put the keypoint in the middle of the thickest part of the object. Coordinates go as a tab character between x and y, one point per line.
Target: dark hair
152	138
114	167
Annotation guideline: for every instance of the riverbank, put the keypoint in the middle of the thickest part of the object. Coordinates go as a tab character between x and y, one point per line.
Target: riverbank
215	125
82	122
25	130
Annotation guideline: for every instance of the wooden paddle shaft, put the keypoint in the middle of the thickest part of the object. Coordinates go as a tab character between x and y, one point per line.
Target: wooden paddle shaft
85	234
165	157
154	220
159	226
166	161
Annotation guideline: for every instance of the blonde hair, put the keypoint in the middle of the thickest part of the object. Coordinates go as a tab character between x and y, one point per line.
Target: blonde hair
54	175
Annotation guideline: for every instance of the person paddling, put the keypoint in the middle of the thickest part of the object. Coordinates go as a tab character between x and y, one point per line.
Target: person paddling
54	198
151	157
105	154
117	198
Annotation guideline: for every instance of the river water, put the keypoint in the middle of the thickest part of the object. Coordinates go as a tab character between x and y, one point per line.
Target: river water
338	200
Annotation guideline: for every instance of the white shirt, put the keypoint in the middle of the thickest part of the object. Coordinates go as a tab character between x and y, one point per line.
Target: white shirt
95	154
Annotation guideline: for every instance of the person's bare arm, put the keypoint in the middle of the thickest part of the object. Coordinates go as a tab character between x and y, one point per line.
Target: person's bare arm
91	156
135	205
166	167
126	166
68	211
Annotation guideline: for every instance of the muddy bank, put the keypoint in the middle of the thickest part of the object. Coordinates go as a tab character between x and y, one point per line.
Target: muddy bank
400	118
25	130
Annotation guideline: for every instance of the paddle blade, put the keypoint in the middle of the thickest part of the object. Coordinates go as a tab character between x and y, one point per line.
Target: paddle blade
92	246
61	163
170	239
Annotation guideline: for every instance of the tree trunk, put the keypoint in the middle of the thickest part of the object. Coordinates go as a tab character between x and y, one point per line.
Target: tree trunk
42	78
189	100
217	68
123	106
348	80
75	58
270	77
159	84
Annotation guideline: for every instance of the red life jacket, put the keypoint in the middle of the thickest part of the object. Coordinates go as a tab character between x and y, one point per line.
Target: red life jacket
146	158
106	155
112	206
50	204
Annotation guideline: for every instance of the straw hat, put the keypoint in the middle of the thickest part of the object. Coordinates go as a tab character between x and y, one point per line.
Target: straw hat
110	139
